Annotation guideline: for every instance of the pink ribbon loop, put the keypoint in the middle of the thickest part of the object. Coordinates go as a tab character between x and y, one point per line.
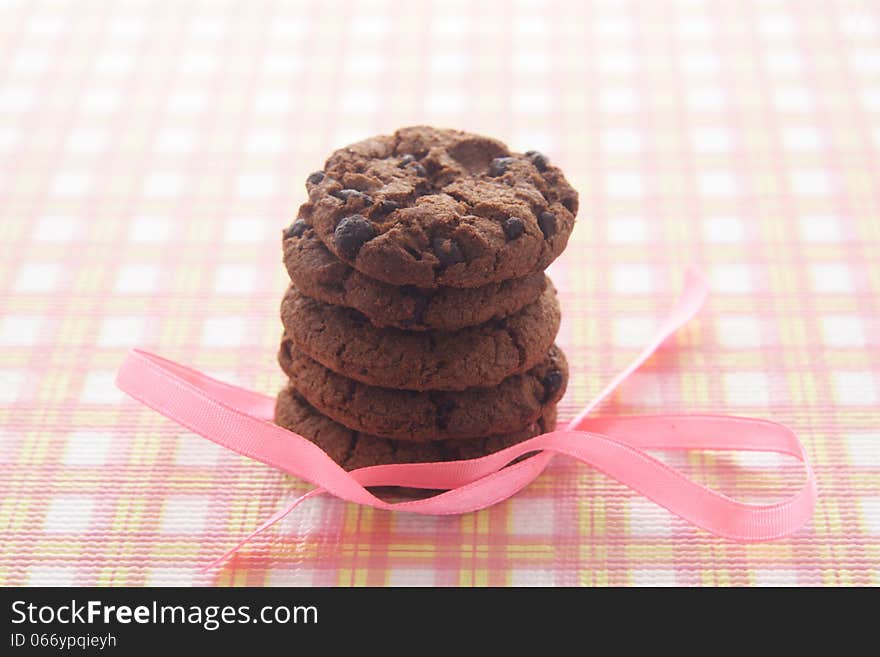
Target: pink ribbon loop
240	420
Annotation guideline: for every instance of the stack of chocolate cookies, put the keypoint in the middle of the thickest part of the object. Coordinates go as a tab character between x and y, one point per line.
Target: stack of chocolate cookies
419	324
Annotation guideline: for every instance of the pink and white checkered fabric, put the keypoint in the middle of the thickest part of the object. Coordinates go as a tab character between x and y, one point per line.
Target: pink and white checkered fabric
150	154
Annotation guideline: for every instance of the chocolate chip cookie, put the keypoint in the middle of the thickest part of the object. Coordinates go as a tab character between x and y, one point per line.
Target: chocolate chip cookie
342	340
507	407
430	207
353	449
321	275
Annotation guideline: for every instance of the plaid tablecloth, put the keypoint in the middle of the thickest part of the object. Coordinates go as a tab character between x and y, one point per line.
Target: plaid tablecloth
151	152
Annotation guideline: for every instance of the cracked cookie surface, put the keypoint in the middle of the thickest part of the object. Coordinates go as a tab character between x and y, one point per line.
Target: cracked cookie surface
424	416
353	449
431	207
344	341
321	275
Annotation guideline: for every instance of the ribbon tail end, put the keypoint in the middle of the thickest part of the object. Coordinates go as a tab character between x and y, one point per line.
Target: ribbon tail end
278	515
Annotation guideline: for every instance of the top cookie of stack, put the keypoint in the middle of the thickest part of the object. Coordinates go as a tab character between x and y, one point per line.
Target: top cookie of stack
419	311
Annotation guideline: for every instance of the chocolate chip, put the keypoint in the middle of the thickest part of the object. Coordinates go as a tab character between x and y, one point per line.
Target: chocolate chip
447	251
295	229
547	223
406	159
315	178
284	354
355	317
387	206
351	233
552	382
444	411
499	165
420	305
418	169
538	159
345	194
513	227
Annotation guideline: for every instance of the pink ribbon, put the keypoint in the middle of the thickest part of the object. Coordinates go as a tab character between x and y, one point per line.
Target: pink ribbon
241	421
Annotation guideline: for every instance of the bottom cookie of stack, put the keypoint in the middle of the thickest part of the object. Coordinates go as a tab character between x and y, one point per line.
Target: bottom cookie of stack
354	449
